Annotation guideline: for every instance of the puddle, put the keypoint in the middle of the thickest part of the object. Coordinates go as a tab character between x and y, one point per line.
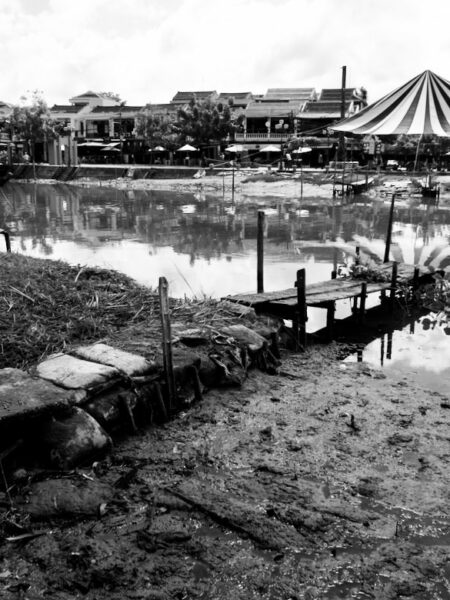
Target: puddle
419	352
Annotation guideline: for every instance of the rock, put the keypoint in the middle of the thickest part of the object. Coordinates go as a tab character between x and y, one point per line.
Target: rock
130	364
65	497
239	309
245	337
22	395
72	439
73	373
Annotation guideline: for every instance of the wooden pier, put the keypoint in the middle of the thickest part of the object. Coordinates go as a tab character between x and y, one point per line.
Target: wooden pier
293	303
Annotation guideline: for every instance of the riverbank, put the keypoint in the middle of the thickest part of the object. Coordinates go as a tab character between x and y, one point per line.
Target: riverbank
323	479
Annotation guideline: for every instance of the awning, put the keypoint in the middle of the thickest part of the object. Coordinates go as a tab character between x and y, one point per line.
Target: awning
271	148
187	148
91	145
419	107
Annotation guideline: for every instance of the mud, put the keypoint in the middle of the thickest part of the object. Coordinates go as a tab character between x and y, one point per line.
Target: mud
328	480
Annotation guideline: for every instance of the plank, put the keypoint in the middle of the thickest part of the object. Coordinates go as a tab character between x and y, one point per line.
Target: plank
336	294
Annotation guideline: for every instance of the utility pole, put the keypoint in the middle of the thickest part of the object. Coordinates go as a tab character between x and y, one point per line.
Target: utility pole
341	149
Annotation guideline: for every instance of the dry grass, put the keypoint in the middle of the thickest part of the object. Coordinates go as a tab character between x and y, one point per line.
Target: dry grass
46	306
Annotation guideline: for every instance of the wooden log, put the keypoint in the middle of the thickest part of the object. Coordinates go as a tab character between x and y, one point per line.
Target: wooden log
260	252
167	342
301	316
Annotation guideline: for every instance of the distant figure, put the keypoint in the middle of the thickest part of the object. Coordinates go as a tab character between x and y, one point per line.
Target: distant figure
288	160
26	157
320	160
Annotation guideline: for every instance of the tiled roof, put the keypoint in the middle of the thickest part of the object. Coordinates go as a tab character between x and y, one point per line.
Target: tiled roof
238	98
181	97
116	109
334	94
272	109
290	94
68	108
323	109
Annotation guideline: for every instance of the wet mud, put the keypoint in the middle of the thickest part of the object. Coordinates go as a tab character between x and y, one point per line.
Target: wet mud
328	480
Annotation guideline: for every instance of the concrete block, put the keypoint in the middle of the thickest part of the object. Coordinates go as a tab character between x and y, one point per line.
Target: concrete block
131	364
74	373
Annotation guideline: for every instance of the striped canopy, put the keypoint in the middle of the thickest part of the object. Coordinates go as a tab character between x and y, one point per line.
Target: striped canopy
421	106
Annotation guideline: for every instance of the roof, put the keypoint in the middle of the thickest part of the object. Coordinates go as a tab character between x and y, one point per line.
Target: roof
272	109
325	107
421	106
299	94
238	98
184	97
334	94
89	94
67	108
116	109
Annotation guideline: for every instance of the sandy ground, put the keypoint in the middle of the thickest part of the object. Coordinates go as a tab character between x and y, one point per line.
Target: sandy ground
325	481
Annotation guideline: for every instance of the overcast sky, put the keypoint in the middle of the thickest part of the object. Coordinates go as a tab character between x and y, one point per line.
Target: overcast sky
147	50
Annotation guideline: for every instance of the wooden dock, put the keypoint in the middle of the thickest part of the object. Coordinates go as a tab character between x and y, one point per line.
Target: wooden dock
292	303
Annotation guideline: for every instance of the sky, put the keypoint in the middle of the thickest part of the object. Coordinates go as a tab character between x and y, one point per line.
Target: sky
147	50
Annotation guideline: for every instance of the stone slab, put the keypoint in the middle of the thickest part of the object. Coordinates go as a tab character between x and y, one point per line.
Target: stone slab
24	396
73	373
132	365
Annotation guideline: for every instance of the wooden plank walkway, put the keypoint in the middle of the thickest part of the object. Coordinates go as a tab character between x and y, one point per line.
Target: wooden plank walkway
292	303
324	292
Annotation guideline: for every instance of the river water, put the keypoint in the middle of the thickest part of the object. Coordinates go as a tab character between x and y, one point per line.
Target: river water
205	244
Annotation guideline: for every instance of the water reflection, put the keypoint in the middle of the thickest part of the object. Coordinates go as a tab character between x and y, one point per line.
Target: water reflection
419	352
205	243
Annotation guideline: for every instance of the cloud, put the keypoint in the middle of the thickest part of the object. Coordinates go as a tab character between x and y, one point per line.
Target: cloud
146	50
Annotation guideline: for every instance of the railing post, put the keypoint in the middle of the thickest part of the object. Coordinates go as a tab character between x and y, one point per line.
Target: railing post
167	341
260	252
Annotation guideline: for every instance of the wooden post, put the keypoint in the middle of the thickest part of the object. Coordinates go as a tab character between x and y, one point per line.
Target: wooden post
7	240
382	351
389	231
393	284
333	274
362	306
389	346
358	255
260	252
331	308
301	315
232	182
416	276
167	341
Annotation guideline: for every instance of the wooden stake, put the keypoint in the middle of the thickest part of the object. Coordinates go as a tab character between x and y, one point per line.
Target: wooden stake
389	231
7	240
260	252
167	341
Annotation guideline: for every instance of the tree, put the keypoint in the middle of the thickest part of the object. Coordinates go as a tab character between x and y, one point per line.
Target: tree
32	122
157	130
113	96
206	122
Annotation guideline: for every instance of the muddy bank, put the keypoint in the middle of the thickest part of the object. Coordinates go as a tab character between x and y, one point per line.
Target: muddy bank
324	481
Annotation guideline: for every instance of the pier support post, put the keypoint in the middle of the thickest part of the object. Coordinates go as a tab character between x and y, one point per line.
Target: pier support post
362	306
415	281
358	255
167	341
301	316
260	252
389	231
331	309
7	240
393	285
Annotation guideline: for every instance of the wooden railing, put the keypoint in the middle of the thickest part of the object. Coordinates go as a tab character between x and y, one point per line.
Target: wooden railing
263	137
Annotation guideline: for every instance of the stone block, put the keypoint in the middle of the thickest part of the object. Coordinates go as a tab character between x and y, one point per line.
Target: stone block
132	365
74	373
24	396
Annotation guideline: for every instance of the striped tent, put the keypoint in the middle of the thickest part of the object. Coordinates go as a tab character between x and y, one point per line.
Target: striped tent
419	107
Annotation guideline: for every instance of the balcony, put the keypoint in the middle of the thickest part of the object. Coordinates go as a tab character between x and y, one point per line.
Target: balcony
263	137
